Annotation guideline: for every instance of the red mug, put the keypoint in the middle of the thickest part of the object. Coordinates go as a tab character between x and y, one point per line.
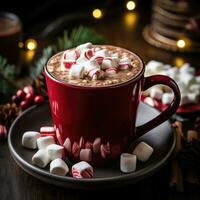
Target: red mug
103	118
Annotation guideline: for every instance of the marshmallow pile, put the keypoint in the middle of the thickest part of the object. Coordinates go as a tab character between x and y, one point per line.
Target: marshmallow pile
93	62
188	83
128	162
50	152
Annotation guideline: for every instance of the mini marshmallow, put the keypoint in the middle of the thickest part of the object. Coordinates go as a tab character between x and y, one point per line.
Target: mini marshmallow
186	68
96	145
41	158
128	162
29	139
143	151
115	55
86	155
76	71
85	46
102	53
70	55
187	79
47	130
109	62
167	98
67	145
55	151
43	142
68	58
124	63
59	167
156	93
82	170
154	66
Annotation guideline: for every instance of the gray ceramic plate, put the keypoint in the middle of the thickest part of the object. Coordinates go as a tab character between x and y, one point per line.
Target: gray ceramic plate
161	138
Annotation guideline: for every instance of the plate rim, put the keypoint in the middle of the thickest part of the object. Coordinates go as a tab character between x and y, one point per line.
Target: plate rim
43	175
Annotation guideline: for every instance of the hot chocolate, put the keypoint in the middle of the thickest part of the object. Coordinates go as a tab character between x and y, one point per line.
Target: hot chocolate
94	66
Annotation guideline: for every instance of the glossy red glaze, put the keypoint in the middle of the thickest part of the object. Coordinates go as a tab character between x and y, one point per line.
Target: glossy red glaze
106	112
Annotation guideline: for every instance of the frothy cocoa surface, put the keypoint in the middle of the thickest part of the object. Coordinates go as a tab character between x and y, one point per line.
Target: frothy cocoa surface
54	63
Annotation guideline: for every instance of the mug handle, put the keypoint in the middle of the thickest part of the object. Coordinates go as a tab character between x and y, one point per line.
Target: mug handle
168	112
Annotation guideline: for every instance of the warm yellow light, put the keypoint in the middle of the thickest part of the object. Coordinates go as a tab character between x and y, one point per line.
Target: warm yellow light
130	5
97	13
31	44
20	44
181	43
130	19
178	61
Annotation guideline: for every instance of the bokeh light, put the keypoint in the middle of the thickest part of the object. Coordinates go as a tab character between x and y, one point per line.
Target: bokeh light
130	5
97	13
31	44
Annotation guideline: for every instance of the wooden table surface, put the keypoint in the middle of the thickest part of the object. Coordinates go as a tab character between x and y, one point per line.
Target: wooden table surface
122	29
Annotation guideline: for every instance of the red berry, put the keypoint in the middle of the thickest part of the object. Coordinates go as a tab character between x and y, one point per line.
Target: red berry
24	105
29	97
28	89
39	100
20	94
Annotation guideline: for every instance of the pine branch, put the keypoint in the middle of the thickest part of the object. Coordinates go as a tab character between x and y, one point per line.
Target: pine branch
7	82
78	36
41	62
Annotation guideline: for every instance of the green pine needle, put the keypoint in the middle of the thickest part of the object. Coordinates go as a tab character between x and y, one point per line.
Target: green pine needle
7	84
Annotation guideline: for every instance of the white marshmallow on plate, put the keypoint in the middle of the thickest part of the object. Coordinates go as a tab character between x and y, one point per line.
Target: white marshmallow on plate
143	151
59	167
186	68
167	98
156	92
187	79
82	170
76	71
128	162
55	151
29	139
43	142
154	66
41	158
